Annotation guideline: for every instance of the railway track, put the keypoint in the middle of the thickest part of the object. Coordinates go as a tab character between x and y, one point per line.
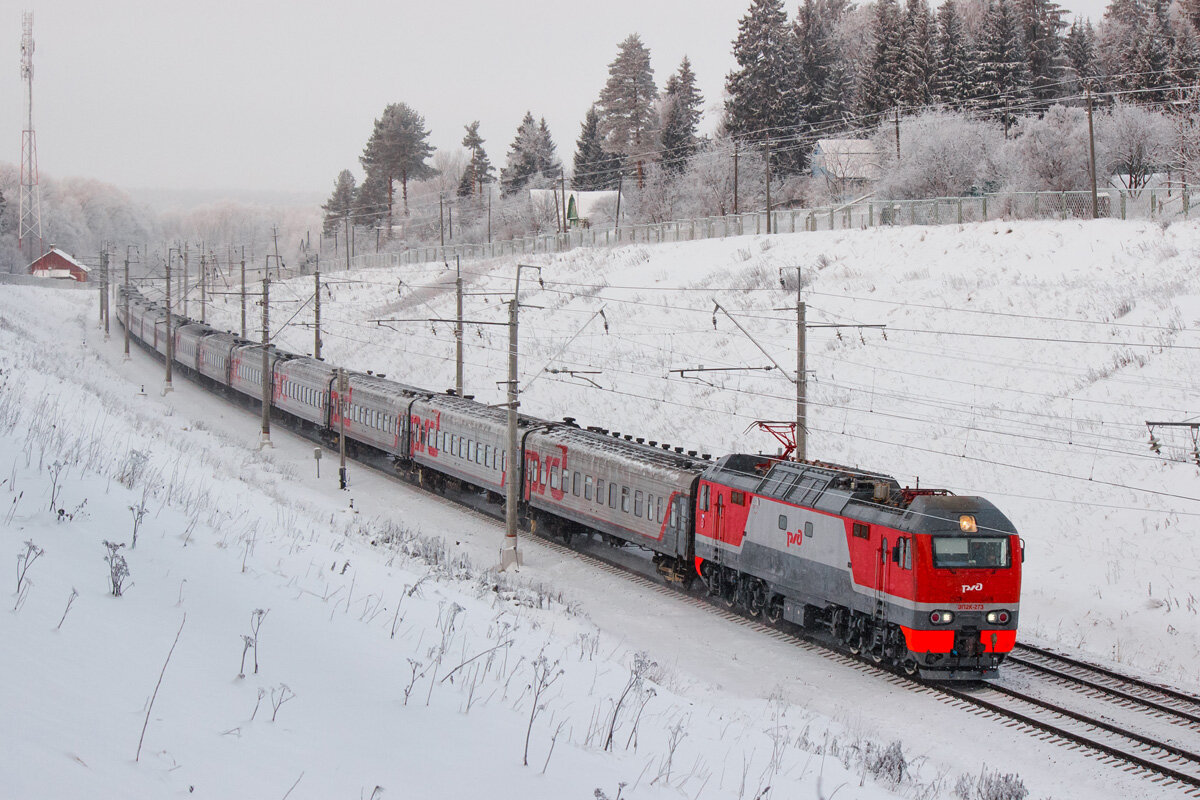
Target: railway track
1166	751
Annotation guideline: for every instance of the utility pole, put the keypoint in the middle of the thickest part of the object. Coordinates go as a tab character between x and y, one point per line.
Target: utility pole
346	220
562	181
266	358
1092	156
617	219
243	291
442	219
317	315
735	176
125	300
801	374
450	215
489	213
107	288
186	276
275	235
897	118
768	160
341	409
203	287
458	329
170	350
509	555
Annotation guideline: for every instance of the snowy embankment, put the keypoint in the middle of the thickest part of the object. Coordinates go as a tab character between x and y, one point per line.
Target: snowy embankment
321	651
1020	362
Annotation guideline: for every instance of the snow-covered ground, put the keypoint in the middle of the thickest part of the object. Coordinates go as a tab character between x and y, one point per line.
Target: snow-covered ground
363	603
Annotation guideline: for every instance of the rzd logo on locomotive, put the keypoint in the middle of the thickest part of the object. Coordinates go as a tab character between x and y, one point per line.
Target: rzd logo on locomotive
795	538
972	587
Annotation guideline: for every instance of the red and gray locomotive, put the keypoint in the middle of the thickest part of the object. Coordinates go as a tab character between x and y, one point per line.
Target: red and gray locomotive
920	578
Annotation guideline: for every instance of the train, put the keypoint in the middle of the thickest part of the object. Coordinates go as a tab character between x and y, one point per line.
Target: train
920	578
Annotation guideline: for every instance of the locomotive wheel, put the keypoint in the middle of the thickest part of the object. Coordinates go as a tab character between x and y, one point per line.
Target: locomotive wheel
756	598
773	613
910	667
855	645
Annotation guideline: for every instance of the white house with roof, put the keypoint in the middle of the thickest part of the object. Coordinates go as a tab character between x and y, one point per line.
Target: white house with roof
849	166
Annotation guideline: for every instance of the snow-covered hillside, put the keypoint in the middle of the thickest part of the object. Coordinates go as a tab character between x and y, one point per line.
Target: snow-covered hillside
1020	362
370	610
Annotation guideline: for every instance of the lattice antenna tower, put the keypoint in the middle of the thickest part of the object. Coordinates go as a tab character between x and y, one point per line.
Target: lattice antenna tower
29	234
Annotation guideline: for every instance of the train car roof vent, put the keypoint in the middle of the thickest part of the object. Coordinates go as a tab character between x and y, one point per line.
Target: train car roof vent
450	392
653	443
465	396
616	434
570	421
629	437
382	375
640	440
369	372
706	456
679	450
692	453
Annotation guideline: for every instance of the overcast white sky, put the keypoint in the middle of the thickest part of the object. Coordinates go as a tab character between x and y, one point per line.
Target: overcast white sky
239	97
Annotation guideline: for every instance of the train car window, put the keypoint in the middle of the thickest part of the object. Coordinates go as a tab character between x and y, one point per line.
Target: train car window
487	455
612	495
704	497
908	553
862	531
649	506
454	444
575	481
625	499
545	474
658	512
637	503
553	479
783	526
587	487
737	498
599	491
674	523
504	460
808	529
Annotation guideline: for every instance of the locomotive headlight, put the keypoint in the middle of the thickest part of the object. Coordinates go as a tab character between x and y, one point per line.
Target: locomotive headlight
998	617
967	523
941	617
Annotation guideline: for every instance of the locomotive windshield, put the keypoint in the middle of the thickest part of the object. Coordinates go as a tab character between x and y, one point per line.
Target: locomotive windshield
971	552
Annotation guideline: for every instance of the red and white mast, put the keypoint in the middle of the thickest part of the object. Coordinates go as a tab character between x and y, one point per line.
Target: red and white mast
29	233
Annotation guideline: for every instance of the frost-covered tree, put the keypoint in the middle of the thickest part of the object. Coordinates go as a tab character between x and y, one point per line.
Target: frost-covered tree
595	168
371	202
943	154
1041	23
879	90
918	64
1003	75
530	154
762	92
1154	54
1079	47
1119	41
954	77
1050	153
398	150
1184	64
479	169
1133	143
340	203
628	121
680	115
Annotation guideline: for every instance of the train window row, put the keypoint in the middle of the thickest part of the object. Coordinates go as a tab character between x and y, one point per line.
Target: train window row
641	504
304	394
452	444
371	418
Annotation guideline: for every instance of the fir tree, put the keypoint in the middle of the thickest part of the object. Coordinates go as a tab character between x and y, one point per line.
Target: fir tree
1004	78
680	116
627	116
954	78
1080	50
340	203
879	91
479	169
397	150
1119	43
530	154
372	202
594	167
918	64
1041	23
1154	54
763	97
1184	63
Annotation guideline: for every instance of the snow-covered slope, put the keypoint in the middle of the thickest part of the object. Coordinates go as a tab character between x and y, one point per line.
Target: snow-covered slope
1020	362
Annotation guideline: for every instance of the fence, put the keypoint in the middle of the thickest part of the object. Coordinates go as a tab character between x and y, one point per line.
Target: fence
1171	203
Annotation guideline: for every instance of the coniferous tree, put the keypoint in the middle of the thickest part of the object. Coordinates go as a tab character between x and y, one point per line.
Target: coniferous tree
763	98
397	150
372	202
1004	77
339	204
680	116
1154	54
530	154
1041	24
813	31
918	64
1119	43
879	90
595	168
627	116
1184	64
479	169
954	78
1080	50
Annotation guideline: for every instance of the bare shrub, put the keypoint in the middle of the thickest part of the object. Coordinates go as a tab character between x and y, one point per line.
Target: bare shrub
118	570
990	785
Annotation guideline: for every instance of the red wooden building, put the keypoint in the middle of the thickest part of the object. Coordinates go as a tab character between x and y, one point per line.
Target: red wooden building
58	264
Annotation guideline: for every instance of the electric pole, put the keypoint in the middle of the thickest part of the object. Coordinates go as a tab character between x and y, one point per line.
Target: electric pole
801	374
617	218
735	176
203	287
1092	157
341	409
897	118
167	386
125	300
346	221
243	291
317	314
458	329
489	213
266	359
186	276
768	161
442	220
107	289
509	555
